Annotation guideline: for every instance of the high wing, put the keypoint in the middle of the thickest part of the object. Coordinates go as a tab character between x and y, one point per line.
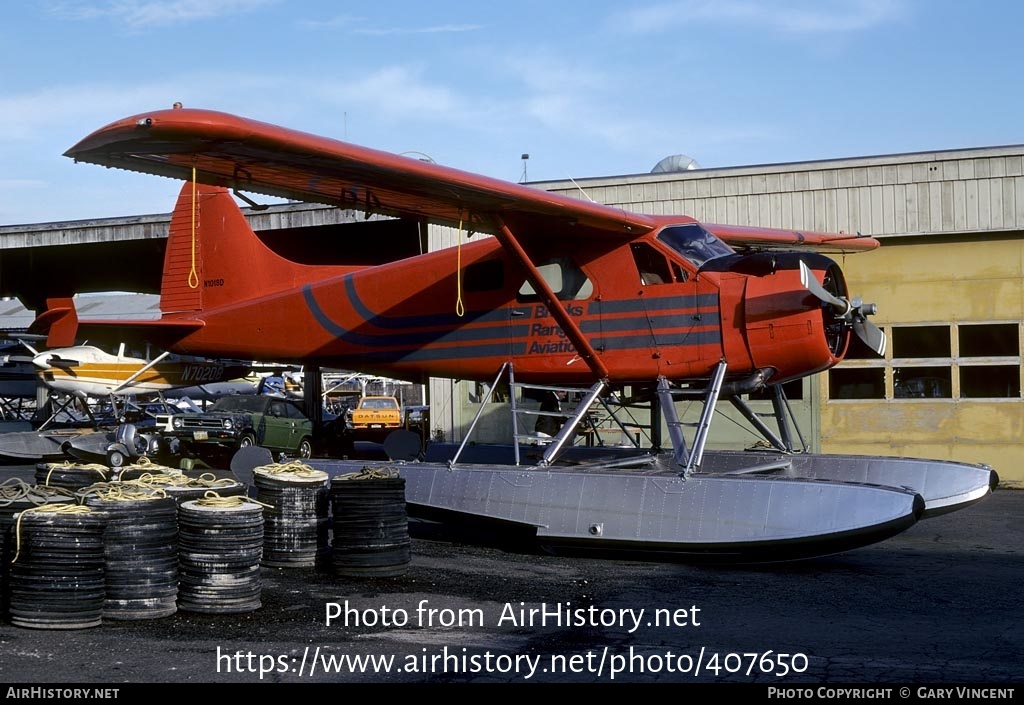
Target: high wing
755	238
252	156
248	155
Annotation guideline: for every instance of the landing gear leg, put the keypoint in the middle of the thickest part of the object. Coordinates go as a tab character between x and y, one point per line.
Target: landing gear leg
689	459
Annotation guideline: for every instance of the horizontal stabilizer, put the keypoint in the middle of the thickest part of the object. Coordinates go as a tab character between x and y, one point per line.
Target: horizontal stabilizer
61	324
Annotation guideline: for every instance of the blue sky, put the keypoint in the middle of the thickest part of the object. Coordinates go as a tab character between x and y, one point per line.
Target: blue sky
587	89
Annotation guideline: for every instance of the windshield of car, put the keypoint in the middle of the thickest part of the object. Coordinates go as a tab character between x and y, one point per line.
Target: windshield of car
378	403
249	403
694	243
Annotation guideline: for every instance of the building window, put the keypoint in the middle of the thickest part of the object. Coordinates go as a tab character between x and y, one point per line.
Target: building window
856	383
989	340
990	382
937	362
916	342
922	382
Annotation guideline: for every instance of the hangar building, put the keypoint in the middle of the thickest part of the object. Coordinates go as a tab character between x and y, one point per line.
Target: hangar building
948	282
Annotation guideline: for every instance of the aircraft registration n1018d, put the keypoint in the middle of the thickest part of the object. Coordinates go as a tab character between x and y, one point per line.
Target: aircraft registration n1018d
566	292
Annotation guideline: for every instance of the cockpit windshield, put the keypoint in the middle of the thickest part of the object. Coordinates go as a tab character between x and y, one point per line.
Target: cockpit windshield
694	243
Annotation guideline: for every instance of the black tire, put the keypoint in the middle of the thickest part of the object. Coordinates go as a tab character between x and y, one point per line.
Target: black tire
115	458
246	440
305	449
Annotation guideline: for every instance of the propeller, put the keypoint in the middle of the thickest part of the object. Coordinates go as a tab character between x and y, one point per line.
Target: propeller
15	359
43	362
853	312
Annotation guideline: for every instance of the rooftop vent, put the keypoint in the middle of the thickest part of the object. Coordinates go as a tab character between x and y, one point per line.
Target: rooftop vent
675	163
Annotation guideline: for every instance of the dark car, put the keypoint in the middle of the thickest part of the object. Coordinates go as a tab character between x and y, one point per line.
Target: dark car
234	422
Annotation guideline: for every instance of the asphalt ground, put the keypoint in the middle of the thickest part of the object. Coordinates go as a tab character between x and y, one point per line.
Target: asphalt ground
940	603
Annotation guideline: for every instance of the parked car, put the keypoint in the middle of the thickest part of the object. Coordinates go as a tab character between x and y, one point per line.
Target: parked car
234	422
376	414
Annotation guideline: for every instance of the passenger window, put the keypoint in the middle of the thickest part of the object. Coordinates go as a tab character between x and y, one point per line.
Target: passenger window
488	275
565	279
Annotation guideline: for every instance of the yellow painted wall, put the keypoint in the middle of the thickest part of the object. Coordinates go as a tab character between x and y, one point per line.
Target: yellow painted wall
942	282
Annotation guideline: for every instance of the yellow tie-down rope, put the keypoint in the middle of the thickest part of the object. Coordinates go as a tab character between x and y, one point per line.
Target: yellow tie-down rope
156	480
49	509
145	463
17	490
460	309
213	499
295	468
128	491
368	473
101	470
208	479
193	277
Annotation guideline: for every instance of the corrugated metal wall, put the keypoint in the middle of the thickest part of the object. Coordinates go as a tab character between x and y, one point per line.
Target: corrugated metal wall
940	192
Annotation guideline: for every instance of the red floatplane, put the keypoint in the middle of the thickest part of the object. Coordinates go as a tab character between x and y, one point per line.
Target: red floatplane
566	292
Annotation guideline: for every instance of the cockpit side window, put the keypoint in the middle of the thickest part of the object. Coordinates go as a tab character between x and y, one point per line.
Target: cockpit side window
694	243
651	264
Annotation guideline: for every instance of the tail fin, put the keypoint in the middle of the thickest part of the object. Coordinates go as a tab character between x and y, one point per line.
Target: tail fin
59	321
213	256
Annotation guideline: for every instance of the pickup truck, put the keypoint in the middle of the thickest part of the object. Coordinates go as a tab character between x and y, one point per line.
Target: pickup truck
376	414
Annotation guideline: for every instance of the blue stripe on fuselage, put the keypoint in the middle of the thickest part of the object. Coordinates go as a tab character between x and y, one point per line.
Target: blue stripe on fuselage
691	311
628	342
456	329
433	320
646	323
661	303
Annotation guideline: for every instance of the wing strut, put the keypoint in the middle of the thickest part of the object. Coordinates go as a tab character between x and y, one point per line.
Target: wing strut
144	369
555	308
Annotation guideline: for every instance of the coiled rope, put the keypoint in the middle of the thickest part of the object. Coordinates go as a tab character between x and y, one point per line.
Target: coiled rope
102	470
295	468
208	479
156	480
144	463
17	490
128	491
368	473
213	499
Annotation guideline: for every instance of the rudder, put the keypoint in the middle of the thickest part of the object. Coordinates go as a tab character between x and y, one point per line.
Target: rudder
213	257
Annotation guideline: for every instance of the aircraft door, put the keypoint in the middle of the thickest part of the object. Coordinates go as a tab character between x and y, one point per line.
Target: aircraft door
675	322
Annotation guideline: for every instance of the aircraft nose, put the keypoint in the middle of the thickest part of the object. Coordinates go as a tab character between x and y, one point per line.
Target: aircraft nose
852	312
788	328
